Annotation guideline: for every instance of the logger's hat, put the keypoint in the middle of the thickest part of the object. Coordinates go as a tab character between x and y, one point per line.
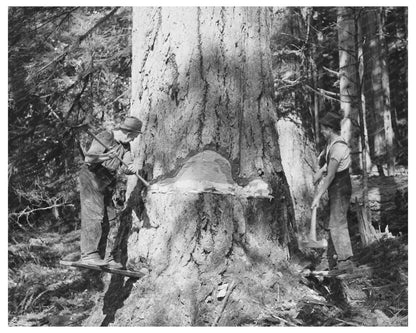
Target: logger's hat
131	124
332	120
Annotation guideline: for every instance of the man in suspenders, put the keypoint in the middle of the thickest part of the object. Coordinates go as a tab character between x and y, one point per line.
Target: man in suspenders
97	179
338	183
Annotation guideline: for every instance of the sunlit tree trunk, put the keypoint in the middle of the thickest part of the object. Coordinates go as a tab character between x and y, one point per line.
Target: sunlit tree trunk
387	114
378	91
349	84
384	137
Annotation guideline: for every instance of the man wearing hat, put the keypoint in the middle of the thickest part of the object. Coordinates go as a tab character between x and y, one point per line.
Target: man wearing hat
337	181
97	181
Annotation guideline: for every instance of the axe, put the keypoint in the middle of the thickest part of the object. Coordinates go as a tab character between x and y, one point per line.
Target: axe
312	242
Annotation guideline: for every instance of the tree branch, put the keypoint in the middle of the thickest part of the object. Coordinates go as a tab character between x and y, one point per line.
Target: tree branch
324	93
78	97
67	14
116	99
331	71
227	296
27	211
78	41
51	19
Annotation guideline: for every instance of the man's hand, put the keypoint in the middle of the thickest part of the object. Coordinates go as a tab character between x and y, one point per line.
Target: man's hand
99	158
331	170
132	169
315	202
318	175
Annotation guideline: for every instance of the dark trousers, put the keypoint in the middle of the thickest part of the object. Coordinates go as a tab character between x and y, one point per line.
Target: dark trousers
339	193
96	190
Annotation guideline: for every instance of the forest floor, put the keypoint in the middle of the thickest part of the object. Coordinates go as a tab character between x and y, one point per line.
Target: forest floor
44	293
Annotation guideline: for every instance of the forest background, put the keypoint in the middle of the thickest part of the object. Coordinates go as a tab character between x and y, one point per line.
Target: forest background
58	81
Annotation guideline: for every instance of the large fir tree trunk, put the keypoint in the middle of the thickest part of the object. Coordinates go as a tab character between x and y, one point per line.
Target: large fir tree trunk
377	90
218	212
349	84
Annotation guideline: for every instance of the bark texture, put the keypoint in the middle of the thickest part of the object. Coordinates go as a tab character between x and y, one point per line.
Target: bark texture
377	90
349	83
218	212
295	124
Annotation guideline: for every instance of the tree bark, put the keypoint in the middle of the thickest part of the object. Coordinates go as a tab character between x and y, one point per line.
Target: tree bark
354	74
349	84
377	91
218	210
385	83
295	125
363	108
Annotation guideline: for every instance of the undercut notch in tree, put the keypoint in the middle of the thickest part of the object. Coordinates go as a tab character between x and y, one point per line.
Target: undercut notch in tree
209	172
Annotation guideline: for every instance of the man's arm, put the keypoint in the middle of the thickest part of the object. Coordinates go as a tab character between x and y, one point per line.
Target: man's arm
96	153
318	175
132	164
332	169
322	167
99	158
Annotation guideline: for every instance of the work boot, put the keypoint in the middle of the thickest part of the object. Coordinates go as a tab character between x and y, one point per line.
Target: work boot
111	263
323	265
345	265
93	259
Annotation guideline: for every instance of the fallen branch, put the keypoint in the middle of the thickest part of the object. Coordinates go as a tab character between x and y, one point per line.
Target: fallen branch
227	296
385	286
347	322
282	320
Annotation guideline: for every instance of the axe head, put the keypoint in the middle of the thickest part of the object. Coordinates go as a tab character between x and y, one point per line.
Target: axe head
312	243
315	244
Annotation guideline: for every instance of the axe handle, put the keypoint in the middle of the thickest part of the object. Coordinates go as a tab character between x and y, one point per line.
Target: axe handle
312	231
108	148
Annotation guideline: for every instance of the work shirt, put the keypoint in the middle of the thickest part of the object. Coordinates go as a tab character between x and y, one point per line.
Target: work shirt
123	151
340	152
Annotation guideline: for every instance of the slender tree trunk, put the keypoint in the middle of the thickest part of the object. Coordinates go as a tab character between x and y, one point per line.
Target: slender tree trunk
349	84
378	91
361	114
315	85
363	109
367	231
385	83
218	211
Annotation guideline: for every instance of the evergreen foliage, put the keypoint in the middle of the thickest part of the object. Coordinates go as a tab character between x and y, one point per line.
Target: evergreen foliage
67	66
306	63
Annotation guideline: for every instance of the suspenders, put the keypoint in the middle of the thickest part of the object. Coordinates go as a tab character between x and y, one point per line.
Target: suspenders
329	148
